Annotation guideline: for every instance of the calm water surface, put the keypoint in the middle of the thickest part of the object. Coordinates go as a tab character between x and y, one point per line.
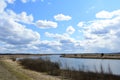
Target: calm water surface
88	64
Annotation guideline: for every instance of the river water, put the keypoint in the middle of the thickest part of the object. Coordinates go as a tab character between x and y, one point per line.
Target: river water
87	64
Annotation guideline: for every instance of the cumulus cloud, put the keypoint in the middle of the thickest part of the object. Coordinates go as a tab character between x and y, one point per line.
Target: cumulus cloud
103	14
102	34
14	36
50	46
13	33
46	24
106	14
67	44
57	36
22	17
2	5
70	30
61	17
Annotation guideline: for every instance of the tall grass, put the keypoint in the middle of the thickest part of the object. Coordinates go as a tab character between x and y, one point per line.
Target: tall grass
53	68
41	65
88	75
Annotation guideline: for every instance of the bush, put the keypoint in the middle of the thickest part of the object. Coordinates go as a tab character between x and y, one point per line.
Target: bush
41	65
13	59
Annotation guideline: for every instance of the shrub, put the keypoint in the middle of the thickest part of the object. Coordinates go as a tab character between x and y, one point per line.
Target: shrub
13	59
41	65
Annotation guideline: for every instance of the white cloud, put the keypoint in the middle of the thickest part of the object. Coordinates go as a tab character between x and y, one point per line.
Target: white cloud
70	30
102	35
57	36
49	45
22	17
46	24
14	33
106	14
25	1
80	24
61	17
116	13
2	5
11	1
14	36
66	43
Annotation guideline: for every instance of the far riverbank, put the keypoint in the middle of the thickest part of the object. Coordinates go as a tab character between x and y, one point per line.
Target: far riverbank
93	56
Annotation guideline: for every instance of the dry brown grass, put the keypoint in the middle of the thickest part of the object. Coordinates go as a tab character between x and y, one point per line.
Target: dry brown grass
31	75
68	73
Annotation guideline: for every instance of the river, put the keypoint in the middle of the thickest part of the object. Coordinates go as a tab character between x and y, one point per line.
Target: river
88	64
94	65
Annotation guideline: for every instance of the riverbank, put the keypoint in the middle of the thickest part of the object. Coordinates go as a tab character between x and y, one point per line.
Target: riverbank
29	71
11	70
93	56
53	68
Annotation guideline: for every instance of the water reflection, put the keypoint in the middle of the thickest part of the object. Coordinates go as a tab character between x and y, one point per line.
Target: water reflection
88	64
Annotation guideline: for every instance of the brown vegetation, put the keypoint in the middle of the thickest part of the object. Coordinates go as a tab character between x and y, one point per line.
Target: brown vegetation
53	68
41	65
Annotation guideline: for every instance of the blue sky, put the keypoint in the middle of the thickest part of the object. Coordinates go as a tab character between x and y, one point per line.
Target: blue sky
59	26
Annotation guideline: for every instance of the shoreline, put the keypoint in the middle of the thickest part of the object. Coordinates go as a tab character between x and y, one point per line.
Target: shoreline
92	56
72	55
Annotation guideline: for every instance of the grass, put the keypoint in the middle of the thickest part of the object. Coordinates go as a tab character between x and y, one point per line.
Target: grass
41	65
81	75
13	72
53	68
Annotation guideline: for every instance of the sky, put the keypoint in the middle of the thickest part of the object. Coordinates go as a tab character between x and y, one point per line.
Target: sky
59	26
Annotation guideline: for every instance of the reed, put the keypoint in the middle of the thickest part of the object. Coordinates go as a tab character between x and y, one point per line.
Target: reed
53	68
41	65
